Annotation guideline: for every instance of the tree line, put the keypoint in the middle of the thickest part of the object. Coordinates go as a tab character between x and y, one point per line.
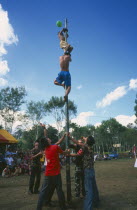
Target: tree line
109	136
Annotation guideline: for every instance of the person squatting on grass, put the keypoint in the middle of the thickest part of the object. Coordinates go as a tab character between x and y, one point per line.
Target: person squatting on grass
6	172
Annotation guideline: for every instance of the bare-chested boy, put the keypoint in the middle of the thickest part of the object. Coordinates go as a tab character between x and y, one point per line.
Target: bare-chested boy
64	75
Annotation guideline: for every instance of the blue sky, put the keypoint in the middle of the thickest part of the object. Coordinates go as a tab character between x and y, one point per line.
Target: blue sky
104	59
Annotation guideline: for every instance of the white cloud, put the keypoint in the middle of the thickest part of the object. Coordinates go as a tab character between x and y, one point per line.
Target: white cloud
97	124
83	118
125	119
133	84
112	96
117	94
4	69
7	36
3	82
79	87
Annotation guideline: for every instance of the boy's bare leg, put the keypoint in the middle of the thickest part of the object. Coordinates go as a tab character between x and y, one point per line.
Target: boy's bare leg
67	92
56	83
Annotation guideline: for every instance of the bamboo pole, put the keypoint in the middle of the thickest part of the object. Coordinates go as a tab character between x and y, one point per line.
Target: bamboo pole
68	180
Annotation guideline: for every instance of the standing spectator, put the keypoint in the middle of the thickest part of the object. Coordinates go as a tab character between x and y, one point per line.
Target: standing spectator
91	190
79	171
18	159
52	173
134	150
35	176
10	162
14	156
2	163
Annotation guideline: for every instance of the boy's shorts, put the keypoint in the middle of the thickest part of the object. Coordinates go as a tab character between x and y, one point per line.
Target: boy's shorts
64	76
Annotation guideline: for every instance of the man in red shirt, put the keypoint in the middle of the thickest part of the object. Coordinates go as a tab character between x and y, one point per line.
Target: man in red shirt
52	174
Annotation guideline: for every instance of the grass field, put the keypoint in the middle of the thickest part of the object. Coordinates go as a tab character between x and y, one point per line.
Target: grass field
116	179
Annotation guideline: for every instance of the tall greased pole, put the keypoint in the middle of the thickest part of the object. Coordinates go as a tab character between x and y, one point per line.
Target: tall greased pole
68	180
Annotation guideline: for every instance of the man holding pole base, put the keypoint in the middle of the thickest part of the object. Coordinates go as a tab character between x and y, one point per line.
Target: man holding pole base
52	173
91	190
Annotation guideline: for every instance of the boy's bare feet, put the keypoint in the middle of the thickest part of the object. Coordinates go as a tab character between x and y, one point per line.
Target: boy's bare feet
70	49
65	98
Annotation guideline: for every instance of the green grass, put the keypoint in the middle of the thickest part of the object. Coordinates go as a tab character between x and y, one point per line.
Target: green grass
116	180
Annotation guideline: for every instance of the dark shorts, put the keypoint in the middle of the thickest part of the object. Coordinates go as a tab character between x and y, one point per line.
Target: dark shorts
64	76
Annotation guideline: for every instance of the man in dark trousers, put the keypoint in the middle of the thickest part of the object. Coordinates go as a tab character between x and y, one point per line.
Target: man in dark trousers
91	190
79	171
35	176
52	178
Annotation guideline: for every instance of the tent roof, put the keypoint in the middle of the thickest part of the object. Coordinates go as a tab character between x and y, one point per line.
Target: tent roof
6	137
2	139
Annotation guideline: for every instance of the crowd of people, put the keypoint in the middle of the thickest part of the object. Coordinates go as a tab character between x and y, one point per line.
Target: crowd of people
15	163
85	182
50	158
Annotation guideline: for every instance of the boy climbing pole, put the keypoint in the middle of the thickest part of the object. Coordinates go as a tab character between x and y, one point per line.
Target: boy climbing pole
64	77
63	43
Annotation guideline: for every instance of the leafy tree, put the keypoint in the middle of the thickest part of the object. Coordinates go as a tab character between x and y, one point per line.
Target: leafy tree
109	133
129	138
27	138
56	107
18	133
1	127
36	111
78	131
11	100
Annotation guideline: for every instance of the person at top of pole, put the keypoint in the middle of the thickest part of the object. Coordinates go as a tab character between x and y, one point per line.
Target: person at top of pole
63	43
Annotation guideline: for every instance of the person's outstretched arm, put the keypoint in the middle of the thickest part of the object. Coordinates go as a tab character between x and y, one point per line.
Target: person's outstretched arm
60	140
61	36
79	153
72	139
84	139
34	156
45	130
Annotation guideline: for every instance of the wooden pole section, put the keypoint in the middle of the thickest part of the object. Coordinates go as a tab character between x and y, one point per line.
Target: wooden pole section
68	180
